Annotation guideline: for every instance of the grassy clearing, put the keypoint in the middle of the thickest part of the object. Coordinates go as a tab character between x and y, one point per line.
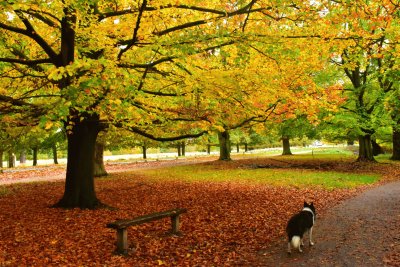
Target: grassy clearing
276	177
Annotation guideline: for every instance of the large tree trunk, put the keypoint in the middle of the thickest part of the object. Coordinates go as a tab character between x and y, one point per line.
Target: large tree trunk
99	168
286	146
396	145
224	145
35	155
365	148
79	184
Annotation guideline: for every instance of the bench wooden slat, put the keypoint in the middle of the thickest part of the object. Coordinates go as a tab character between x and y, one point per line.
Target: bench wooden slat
122	226
119	224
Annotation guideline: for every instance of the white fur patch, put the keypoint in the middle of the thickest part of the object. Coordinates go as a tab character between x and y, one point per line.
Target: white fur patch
296	242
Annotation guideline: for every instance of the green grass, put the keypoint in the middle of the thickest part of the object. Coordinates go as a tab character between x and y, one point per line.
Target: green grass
275	177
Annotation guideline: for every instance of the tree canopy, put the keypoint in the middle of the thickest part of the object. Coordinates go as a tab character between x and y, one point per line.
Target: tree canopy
175	69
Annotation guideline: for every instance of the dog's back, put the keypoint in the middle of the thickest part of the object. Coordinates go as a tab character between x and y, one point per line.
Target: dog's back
299	224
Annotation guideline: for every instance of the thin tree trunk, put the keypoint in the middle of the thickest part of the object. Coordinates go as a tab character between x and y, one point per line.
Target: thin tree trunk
144	149
396	145
208	149
350	142
99	168
224	145
35	155
1	158
55	158
286	146
179	149
22	157
11	159
79	184
246	147
183	148
237	148
365	149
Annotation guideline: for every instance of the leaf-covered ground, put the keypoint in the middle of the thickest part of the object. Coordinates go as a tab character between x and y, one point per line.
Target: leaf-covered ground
227	223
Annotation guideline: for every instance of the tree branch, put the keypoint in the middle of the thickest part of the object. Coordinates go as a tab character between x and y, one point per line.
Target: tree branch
36	14
25	61
135	31
30	32
146	65
162	139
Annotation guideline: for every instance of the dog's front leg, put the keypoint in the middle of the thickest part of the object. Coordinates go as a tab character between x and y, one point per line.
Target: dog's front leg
311	242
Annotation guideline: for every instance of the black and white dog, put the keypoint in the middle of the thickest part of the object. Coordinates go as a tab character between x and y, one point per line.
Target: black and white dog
298	225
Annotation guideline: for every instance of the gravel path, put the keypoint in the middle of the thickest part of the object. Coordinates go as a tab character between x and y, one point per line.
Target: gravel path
358	232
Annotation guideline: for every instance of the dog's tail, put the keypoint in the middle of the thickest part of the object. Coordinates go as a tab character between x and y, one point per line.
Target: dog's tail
295	242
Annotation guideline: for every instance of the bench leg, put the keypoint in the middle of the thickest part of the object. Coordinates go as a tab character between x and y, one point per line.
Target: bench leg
175	224
122	241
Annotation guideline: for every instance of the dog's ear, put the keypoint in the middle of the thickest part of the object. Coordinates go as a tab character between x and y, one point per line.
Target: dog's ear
305	204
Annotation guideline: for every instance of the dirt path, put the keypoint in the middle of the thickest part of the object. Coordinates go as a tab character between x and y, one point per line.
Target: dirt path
358	232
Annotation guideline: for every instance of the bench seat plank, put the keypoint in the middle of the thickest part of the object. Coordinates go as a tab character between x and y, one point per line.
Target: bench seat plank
120	224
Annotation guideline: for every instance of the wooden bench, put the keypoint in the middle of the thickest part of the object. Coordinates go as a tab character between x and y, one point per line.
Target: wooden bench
122	225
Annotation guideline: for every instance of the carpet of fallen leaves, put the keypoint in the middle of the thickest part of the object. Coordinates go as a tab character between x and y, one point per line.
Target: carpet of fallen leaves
226	224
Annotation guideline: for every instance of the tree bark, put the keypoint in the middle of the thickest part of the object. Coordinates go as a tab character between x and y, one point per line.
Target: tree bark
144	149
224	145
396	145
98	162
55	158
286	146
179	149
183	148
11	159
1	158
22	157
35	154
376	148
365	149
79	184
